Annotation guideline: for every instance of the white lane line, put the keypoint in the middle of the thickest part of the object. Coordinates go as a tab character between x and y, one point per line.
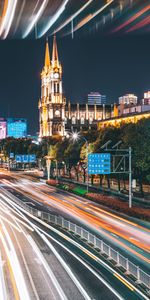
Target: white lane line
68	270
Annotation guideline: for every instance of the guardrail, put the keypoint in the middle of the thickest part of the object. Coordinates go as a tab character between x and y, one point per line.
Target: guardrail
98	244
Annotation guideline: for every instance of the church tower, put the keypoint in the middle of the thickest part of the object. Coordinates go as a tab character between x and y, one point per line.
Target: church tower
52	103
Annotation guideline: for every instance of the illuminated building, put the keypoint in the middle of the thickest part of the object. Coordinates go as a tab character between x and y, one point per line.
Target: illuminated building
96	98
146	100
3	128
128	99
117	121
16	127
55	115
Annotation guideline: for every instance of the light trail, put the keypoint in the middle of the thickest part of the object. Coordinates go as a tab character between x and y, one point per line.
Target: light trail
105	228
73	16
8	18
83	249
100	221
132	19
36	18
14	262
54	18
68	270
19	16
3	293
92	16
140	25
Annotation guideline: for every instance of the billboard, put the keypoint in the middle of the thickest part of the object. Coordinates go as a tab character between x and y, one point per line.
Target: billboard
16	127
99	163
3	129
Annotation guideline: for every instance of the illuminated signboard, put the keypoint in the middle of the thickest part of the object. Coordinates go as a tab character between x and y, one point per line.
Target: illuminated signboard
16	127
99	163
3	129
31	158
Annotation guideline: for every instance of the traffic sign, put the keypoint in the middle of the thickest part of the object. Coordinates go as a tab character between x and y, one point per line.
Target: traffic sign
18	158
32	158
11	155
99	163
26	158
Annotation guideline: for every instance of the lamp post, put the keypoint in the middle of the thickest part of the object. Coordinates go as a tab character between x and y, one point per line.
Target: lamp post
48	166
76	136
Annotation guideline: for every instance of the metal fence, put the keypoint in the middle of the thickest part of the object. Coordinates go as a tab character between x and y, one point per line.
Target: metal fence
98	244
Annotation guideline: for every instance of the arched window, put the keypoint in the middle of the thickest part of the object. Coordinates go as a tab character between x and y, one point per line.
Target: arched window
90	120
73	120
82	120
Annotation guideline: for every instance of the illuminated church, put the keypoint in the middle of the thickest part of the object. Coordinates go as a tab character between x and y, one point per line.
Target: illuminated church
56	117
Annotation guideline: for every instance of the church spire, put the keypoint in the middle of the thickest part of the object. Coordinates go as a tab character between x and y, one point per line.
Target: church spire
55	59
47	56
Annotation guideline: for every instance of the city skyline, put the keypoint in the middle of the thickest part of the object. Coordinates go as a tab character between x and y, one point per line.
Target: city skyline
125	56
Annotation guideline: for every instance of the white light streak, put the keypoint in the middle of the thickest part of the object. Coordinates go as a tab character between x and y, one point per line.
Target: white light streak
54	18
35	19
92	16
68	270
14	262
8	18
73	16
47	268
3	292
37	229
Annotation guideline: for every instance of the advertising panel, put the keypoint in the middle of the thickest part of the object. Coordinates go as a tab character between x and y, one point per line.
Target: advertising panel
3	128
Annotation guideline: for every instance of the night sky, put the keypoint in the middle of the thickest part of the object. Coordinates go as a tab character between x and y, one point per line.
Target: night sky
111	65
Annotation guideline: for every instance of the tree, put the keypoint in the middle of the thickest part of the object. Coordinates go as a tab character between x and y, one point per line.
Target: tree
137	136
72	156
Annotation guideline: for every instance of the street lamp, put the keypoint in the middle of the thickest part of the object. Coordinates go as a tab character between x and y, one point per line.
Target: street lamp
76	136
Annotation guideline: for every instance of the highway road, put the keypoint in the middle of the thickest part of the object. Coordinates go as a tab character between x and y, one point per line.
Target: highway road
50	265
128	236
35	267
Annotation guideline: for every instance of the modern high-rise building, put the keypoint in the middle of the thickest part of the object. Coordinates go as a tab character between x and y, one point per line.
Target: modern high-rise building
128	99
96	98
16	127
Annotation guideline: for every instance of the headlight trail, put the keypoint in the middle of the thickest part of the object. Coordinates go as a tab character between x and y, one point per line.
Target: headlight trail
132	19
54	18
73	16
36	18
20	14
80	25
16	268
140	25
8	17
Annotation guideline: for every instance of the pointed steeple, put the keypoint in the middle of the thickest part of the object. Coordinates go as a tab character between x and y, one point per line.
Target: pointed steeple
47	56
55	59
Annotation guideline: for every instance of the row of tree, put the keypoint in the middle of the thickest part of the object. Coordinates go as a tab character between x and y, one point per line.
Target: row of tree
73	154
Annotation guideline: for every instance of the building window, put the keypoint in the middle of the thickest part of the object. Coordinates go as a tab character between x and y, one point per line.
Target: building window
90	120
82	120
73	120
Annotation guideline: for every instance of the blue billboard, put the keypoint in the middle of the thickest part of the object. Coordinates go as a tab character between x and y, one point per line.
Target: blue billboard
16	127
25	158
99	163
